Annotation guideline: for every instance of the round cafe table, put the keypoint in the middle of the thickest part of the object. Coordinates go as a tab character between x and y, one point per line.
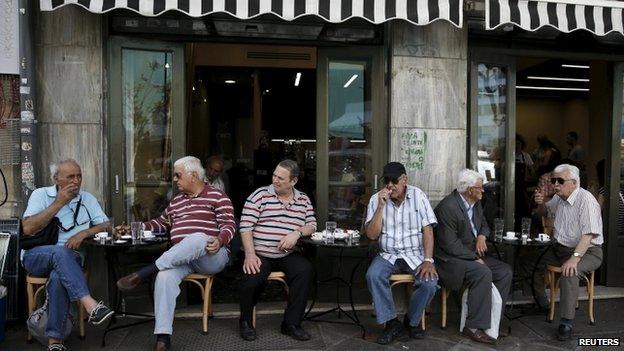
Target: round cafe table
338	280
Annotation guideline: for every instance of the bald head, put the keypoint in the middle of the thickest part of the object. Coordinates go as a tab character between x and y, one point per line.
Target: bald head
214	168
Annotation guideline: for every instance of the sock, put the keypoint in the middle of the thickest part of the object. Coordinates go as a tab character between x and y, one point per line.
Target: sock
147	271
166	338
567	322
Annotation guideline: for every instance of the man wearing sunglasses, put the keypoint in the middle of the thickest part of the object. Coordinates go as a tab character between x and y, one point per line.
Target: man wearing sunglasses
578	234
401	218
80	218
460	250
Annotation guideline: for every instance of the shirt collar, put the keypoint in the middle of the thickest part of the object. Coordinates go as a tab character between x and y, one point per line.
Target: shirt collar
572	198
296	193
466	203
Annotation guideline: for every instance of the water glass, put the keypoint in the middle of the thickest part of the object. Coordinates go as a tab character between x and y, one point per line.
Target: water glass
330	230
111	227
499	228
526	226
136	229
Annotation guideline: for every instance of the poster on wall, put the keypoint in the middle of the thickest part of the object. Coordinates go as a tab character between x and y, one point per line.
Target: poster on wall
9	37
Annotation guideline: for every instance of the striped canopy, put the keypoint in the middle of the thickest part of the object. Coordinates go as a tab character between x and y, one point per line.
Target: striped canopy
419	12
597	16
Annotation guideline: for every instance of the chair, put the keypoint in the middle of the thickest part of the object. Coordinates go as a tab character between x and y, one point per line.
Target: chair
408	279
35	286
553	283
204	282
274	276
444	296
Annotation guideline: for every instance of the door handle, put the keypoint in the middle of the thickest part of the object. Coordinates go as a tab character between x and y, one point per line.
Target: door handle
375	183
116	183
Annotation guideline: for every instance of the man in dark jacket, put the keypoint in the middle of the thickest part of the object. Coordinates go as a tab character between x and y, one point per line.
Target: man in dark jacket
460	247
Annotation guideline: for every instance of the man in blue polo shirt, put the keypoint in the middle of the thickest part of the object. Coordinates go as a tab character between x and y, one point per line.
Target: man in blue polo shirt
80	218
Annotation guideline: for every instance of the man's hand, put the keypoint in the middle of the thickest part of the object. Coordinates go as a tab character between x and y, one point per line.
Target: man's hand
568	268
214	246
480	261
252	263
427	271
289	241
481	245
75	241
383	196
67	193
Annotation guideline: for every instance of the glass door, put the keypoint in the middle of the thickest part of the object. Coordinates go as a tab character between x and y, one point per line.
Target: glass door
352	133
146	125
492	133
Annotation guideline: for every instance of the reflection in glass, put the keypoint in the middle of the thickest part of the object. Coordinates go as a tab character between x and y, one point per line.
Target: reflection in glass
146	93
349	130
491	127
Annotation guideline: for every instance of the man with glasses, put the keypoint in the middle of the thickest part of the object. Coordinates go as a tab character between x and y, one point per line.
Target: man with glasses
200	222
460	250
80	217
578	234
401	218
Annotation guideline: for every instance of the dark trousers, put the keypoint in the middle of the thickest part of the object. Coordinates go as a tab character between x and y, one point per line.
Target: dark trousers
479	278
298	272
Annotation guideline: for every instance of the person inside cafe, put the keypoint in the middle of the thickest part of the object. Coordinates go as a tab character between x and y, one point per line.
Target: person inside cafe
274	218
200	222
460	253
214	171
578	235
81	217
400	217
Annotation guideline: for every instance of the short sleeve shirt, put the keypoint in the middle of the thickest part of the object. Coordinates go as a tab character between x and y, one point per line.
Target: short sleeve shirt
578	215
401	227
90	212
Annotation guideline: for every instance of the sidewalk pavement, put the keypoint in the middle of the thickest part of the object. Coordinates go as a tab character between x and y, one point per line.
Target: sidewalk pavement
530	332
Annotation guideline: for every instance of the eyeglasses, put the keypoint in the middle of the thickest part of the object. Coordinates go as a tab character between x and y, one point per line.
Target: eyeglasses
480	188
75	223
558	180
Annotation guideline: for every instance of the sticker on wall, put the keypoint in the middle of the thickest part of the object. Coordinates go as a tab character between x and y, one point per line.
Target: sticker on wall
28	175
26	146
413	149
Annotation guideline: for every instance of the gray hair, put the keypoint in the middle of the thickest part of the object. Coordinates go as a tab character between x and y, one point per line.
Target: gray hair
467	178
54	167
572	170
291	166
191	164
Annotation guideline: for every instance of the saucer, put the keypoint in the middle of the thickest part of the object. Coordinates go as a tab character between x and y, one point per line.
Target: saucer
510	239
120	241
126	236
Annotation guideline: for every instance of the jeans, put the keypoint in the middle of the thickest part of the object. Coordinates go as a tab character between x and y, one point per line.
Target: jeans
182	259
66	282
378	279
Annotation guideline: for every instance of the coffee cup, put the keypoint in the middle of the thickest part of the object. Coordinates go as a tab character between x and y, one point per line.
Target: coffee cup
148	234
543	237
510	235
101	235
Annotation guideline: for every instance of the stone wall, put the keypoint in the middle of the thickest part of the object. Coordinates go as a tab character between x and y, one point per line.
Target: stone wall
428	104
70	98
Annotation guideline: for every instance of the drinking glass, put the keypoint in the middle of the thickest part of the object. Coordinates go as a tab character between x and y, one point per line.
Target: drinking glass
111	227
499	228
526	226
330	229
136	229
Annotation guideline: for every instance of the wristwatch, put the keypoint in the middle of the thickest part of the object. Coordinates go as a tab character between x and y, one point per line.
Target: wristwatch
428	259
300	234
576	254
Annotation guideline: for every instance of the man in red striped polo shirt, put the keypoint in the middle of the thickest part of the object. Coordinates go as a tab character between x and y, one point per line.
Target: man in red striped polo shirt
274	218
200	222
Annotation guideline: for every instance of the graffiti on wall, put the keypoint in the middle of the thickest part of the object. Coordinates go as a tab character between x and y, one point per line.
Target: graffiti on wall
413	149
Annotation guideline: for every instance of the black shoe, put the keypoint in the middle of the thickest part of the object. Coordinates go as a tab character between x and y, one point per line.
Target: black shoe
247	332
564	332
393	330
100	314
295	332
416	332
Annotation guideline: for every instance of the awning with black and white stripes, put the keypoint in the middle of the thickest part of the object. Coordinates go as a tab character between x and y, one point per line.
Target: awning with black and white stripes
600	17
419	12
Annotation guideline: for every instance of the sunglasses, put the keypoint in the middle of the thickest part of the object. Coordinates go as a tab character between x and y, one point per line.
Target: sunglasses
558	180
388	180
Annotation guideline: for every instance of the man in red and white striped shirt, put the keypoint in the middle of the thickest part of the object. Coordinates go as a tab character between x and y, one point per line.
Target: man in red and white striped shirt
200	222
274	218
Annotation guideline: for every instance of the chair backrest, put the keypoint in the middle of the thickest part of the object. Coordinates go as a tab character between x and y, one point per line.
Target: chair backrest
4	248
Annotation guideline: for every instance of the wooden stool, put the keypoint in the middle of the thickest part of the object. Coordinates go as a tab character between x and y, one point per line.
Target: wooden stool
444	296
408	279
275	276
553	283
35	286
204	282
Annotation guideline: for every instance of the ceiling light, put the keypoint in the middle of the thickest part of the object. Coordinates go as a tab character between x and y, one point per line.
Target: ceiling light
230	81
575	66
361	141
353	77
560	79
308	140
205	100
297	79
277	140
193	88
550	88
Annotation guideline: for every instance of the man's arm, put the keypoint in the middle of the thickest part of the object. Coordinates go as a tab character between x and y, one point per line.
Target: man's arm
448	235
569	267
36	222
427	270
252	262
373	228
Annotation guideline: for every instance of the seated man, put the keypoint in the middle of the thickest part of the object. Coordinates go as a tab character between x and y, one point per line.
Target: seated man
214	169
403	226
80	218
578	231
200	222
460	248
273	220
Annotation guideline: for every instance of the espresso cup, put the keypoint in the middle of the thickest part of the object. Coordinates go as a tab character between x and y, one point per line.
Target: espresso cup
510	235
101	235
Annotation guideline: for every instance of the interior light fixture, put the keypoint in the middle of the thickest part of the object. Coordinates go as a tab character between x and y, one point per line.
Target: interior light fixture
560	79
205	100
550	88
167	65
308	140
353	77
575	66
297	79
230	81
193	88
277	140
359	141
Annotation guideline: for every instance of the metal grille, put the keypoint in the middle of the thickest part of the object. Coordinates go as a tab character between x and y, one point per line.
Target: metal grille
10	275
9	142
